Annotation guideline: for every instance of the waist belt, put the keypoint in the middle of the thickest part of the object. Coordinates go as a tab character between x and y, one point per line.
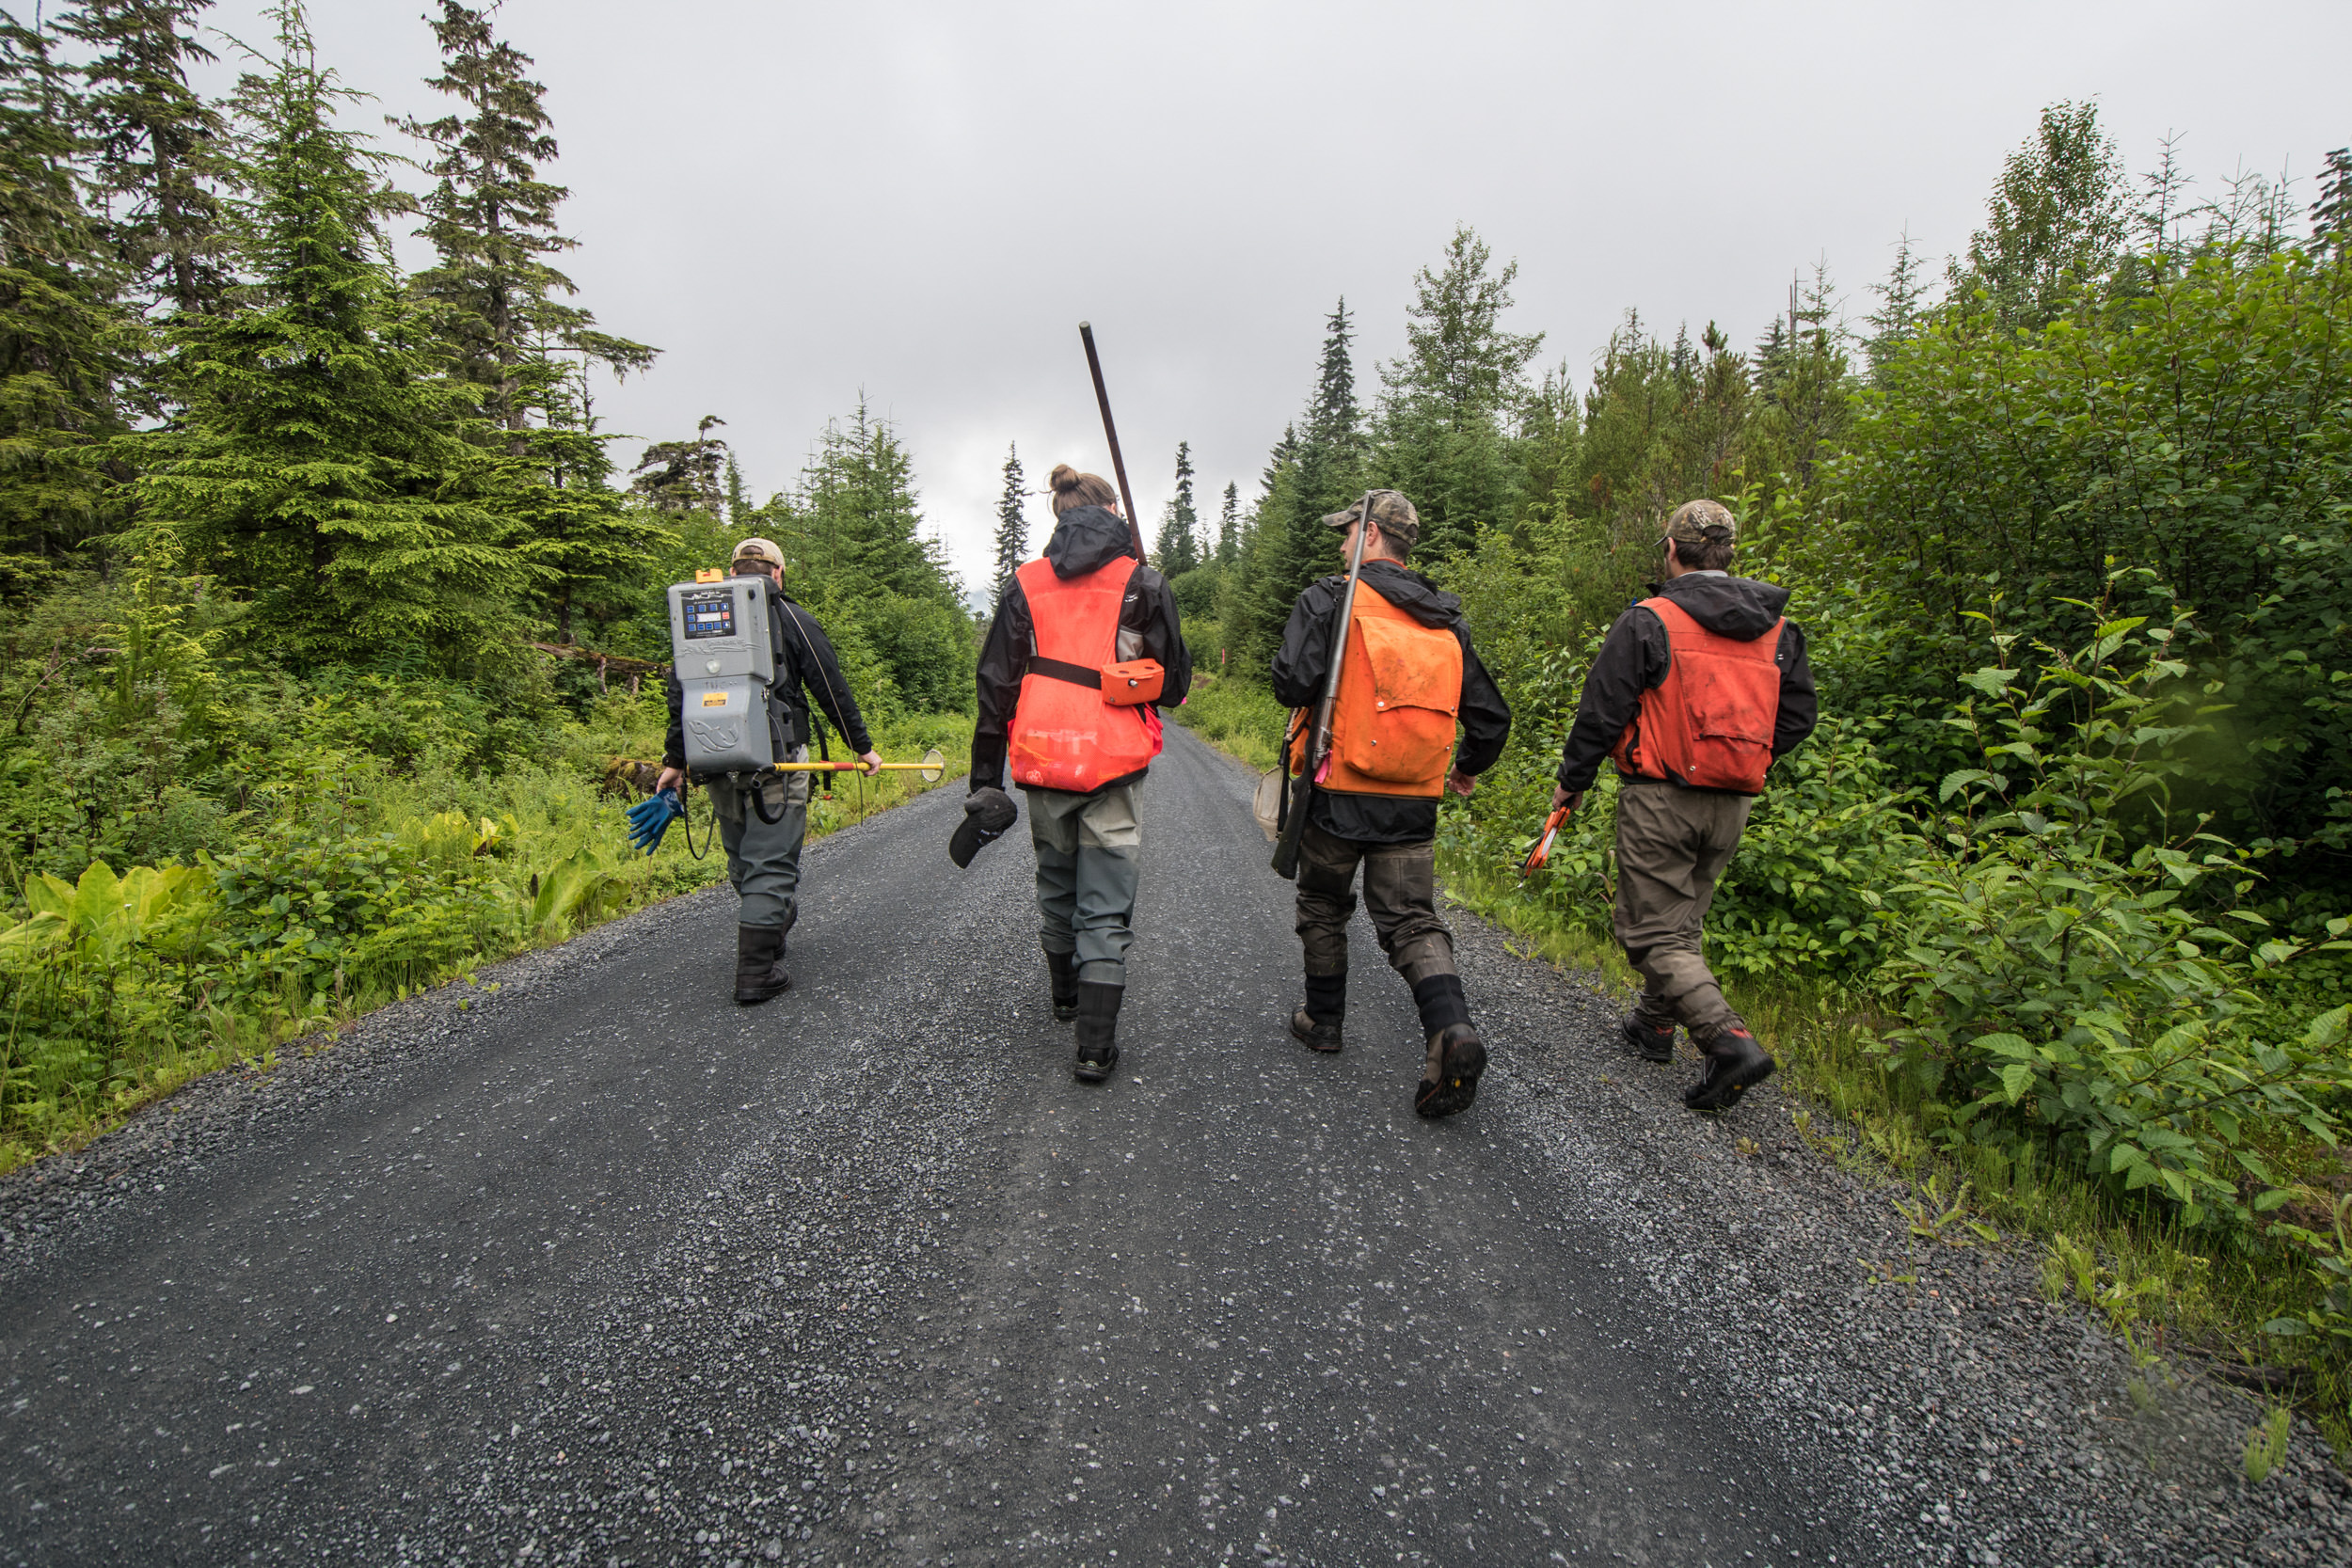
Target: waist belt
1054	669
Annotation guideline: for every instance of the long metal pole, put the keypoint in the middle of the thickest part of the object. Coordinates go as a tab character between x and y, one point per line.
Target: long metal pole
1110	433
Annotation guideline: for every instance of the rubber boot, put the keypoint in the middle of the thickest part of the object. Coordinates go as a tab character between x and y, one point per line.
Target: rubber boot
1734	1063
1061	973
1098	1029
1317	1024
759	964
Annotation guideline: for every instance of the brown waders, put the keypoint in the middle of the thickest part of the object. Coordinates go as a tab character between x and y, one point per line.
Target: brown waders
1401	895
1673	845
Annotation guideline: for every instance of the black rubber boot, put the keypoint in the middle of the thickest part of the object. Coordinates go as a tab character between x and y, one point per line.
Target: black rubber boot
1061	973
759	963
1317	1024
1449	1081
1649	1037
1098	1029
1734	1063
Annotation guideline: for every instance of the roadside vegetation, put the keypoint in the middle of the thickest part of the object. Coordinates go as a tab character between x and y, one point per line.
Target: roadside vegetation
330	642
2048	920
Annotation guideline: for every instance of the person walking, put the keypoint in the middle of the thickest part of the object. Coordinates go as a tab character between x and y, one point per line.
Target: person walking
1086	646
763	823
1409	672
1696	692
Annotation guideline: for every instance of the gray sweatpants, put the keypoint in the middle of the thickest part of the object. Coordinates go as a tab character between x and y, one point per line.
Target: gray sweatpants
1087	849
1672	845
764	858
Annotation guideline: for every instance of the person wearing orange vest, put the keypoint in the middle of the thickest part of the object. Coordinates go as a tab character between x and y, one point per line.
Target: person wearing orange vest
1409	675
1696	692
1084	648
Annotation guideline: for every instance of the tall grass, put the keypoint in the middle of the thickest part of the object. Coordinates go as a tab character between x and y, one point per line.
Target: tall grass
360	887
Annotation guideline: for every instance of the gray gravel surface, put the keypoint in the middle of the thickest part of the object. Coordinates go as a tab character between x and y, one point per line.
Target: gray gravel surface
585	1265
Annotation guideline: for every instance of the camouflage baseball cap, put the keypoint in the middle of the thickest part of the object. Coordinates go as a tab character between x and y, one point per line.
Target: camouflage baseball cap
1392	514
1691	520
762	550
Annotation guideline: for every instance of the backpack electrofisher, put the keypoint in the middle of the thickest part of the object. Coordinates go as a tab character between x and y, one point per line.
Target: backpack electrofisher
725	663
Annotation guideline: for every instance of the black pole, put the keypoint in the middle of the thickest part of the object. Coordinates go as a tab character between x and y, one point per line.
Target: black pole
1110	431
1318	725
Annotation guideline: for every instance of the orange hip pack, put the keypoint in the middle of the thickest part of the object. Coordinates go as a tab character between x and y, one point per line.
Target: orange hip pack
1139	680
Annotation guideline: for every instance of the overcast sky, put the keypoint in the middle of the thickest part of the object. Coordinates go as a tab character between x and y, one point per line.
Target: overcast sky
798	203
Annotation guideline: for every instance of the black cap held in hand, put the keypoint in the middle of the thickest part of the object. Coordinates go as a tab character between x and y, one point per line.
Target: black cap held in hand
987	815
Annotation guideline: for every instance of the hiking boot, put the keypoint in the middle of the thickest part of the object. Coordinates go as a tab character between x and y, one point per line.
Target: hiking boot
1061	973
1647	1038
1450	1078
1098	1026
1315	1036
1734	1063
759	964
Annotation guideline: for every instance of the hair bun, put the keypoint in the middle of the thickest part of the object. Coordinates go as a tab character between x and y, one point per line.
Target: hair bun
1064	477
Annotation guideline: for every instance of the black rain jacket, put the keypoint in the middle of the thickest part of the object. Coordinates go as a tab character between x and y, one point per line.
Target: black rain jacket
805	659
1634	659
1305	657
1085	539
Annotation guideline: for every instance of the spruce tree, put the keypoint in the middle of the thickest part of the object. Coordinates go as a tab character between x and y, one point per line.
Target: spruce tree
1179	548
1012	525
157	150
739	502
1228	527
856	549
587	548
678	477
1900	303
319	466
1458	355
508	339
2332	213
1442	428
863	518
1312	473
63	338
493	295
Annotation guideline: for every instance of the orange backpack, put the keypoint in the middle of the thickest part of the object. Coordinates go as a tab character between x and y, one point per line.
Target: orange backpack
1709	723
1400	687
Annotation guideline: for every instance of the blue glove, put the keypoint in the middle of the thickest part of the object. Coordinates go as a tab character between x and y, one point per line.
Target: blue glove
650	817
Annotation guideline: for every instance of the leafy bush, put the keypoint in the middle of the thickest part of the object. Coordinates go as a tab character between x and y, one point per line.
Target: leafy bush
1803	899
2073	956
2195	424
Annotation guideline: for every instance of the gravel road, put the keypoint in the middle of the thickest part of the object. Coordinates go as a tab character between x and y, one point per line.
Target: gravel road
585	1264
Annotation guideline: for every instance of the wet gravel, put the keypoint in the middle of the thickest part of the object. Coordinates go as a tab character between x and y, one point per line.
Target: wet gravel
594	1268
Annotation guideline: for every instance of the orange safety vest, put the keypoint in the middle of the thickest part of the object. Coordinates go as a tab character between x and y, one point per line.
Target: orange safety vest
1709	722
1400	687
1064	735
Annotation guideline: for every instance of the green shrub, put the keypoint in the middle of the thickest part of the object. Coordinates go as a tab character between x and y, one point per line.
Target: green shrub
2080	969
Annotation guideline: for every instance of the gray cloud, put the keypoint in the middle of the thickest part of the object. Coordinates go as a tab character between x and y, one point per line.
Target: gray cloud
919	201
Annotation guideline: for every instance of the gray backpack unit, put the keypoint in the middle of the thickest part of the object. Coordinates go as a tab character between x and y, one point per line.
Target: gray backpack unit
726	661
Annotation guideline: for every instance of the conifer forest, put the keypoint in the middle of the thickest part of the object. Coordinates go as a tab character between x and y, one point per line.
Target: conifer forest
332	632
